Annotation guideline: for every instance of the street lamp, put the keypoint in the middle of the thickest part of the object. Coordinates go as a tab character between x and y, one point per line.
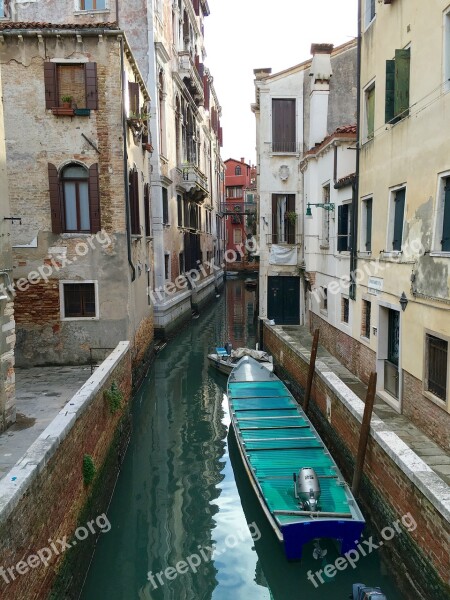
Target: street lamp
325	205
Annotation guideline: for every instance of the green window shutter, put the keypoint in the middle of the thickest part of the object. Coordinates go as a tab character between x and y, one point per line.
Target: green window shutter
398	220
446	220
370	112
390	90
369	225
402	64
342	238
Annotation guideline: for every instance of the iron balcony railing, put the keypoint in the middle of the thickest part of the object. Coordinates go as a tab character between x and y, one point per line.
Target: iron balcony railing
285	148
284	239
237	207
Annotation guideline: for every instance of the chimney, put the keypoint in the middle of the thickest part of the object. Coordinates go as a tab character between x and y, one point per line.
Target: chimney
320	73
261	73
242	160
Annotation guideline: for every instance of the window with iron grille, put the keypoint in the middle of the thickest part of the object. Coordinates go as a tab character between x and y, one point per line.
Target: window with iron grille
345	310
79	300
365	318
437	365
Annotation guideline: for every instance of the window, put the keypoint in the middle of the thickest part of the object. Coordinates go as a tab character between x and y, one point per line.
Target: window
436	366
148	220
165	206
92	4
369	12
369	95
344	228
237	170
180	210
324	299
181	262
367	224
77	80
79	300
133	186
283	126
447	52
397	212
235	191
365	318
397	86
325	241
167	265
283	226
2	8
237	236
442	241
133	99
345	310
74	199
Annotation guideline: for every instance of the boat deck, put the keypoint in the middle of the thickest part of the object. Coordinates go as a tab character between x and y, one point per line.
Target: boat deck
278	440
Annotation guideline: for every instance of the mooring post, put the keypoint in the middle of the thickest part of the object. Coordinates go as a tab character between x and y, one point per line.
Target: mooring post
312	368
364	433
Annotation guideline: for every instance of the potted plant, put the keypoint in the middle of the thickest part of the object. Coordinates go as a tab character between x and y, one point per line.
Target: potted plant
291	217
66	101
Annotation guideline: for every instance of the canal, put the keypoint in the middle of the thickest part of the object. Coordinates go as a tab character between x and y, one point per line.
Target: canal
182	490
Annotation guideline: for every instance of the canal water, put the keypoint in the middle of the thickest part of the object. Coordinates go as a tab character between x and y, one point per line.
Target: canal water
182	491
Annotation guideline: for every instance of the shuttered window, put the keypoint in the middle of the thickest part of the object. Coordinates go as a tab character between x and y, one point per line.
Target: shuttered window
77	81
397	86
180	210
344	229
134	202
74	199
370	112
437	365
148	224
445	242
133	94
165	203
79	300
283	229
368	224
283	125
399	213
92	5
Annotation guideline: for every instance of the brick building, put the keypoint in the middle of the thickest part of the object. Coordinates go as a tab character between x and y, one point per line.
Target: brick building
76	124
240	208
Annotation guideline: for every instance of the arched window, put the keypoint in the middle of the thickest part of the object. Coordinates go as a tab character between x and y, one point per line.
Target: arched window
75	187
237	170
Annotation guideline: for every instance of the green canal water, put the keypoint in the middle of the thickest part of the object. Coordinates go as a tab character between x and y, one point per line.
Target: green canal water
182	490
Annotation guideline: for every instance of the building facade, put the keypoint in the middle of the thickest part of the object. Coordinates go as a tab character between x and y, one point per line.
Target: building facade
295	110
240	210
187	172
7	335
79	134
402	324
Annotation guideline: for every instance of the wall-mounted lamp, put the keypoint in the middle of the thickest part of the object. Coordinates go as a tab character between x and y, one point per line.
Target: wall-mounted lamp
403	301
324	205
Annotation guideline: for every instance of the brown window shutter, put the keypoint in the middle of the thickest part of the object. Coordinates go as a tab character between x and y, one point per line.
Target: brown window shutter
206	91
274	219
55	198
147	210
91	85
133	92
94	199
51	99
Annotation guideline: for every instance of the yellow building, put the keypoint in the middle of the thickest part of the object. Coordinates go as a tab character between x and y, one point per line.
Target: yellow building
402	310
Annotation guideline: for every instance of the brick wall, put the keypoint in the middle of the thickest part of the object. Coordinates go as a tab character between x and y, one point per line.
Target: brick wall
421	559
425	414
56	501
355	356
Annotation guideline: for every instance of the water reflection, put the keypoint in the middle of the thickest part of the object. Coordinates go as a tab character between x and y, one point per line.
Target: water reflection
180	492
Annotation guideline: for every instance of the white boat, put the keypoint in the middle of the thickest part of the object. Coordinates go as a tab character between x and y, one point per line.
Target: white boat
225	362
231	274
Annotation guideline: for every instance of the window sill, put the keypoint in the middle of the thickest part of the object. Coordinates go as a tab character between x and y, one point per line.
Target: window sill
324	312
80	318
440	253
367	26
82	13
69	235
59	111
136	237
364	253
365	339
392	254
435	400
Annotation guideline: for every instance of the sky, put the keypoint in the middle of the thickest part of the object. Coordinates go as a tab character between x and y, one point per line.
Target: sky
242	35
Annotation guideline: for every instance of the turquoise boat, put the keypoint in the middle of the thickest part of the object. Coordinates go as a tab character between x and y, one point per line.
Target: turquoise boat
295	478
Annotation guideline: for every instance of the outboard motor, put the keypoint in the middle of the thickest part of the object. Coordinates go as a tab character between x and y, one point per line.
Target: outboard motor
228	347
307	489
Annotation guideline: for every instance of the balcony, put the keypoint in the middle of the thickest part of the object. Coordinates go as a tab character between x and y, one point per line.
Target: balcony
190	73
237	207
287	239
285	148
194	183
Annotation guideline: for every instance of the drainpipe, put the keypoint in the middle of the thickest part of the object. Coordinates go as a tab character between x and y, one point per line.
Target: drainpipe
355	195
125	165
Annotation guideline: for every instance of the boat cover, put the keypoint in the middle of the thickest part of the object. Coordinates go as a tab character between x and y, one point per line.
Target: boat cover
256	354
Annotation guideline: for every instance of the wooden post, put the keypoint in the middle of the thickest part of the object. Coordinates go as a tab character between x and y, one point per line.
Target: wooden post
364	433
312	368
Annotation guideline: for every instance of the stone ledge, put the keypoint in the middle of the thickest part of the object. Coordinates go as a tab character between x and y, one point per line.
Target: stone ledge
41	451
417	471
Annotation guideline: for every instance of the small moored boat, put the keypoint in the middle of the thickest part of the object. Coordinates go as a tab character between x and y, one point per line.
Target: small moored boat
297	482
225	362
360	591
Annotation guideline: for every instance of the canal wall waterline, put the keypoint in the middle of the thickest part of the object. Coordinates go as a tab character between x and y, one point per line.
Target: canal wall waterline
45	497
395	481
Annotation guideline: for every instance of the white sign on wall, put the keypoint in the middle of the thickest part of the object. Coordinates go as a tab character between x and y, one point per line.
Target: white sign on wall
375	285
